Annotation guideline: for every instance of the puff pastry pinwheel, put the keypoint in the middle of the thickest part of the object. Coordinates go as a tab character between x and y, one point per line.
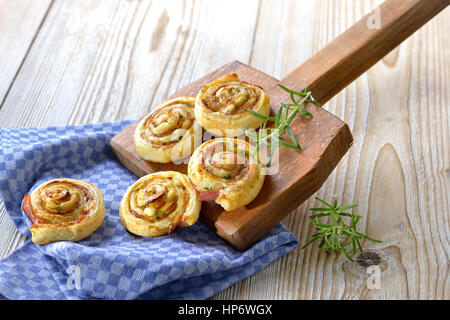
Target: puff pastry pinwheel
167	134
158	203
64	209
221	106
226	170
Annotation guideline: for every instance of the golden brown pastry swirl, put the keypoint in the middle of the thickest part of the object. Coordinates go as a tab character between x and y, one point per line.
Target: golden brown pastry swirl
222	106
167	133
64	209
227	171
158	203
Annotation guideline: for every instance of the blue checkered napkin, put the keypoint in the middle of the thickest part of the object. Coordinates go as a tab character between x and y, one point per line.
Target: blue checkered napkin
191	263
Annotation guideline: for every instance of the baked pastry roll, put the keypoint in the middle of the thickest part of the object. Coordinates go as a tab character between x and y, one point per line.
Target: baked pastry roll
167	134
227	171
158	203
64	209
221	106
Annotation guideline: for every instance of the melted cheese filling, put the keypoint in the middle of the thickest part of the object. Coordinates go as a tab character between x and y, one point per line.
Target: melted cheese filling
169	124
231	98
225	163
62	202
159	198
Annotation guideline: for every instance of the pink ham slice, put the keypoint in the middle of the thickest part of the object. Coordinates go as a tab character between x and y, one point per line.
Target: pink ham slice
208	195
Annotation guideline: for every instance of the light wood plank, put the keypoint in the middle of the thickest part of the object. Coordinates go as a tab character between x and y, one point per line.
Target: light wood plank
387	172
19	22
105	60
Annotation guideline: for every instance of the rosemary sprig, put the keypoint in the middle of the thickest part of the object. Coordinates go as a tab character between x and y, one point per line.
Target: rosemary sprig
337	236
282	121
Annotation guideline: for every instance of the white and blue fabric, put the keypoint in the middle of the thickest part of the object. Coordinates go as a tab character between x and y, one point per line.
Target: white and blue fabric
190	263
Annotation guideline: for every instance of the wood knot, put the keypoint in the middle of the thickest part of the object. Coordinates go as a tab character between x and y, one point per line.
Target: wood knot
368	258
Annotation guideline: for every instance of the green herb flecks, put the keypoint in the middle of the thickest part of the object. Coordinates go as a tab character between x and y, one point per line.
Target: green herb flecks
135	190
337	236
282	122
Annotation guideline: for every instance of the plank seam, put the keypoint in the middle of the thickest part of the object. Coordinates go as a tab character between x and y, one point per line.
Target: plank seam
44	18
255	33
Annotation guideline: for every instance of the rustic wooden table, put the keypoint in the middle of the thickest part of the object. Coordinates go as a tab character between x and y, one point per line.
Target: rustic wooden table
73	62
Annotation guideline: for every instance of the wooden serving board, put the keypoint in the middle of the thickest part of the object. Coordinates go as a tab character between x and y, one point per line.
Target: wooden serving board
324	137
298	171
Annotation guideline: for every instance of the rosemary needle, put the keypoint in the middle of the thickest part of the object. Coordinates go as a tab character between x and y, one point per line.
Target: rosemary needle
337	236
283	119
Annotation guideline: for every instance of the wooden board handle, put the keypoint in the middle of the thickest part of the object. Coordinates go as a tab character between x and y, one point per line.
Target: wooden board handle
360	47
